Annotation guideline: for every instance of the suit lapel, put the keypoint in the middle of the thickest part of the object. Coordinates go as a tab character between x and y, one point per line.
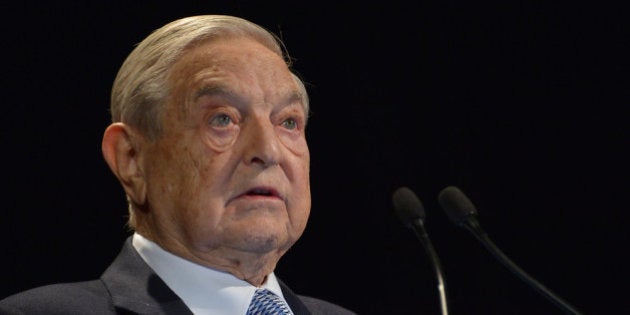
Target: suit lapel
293	300
136	289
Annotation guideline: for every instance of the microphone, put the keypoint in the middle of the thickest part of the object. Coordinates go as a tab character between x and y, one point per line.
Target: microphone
464	214
410	211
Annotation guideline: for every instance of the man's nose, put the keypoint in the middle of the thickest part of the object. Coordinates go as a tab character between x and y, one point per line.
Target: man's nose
262	145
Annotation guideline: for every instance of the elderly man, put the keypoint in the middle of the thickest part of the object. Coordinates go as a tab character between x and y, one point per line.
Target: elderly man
208	143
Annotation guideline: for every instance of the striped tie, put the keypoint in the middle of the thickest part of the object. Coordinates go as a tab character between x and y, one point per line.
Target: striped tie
267	303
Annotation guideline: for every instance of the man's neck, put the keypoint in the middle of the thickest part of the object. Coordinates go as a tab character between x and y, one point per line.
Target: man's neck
250	267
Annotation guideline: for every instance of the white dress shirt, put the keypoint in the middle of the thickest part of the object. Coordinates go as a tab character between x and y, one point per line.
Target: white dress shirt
204	290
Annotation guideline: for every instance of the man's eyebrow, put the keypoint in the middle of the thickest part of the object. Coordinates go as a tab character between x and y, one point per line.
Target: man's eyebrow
216	90
294	96
297	96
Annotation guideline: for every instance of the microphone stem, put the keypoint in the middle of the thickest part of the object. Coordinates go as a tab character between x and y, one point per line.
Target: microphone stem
473	226
422	235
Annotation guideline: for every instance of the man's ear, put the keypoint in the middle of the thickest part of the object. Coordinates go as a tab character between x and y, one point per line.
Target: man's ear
120	148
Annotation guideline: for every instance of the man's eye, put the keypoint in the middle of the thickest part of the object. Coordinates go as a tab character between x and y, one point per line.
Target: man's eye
290	123
220	120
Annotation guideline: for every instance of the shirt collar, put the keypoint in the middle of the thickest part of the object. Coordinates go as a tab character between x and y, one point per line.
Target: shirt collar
204	290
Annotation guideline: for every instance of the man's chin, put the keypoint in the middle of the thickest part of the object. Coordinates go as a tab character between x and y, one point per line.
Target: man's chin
263	243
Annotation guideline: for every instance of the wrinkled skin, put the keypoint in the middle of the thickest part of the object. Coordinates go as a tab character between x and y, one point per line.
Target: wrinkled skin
226	185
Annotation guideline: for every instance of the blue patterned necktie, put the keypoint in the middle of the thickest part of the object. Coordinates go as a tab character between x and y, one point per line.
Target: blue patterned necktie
267	303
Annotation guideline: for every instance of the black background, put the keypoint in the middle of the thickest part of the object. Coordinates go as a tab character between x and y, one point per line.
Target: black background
521	105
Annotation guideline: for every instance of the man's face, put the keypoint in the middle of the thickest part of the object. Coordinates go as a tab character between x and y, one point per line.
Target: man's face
231	169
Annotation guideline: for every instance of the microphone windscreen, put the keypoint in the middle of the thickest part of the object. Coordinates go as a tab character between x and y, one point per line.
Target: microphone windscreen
407	205
456	205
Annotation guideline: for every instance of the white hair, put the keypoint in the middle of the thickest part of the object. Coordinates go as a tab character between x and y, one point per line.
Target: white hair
140	88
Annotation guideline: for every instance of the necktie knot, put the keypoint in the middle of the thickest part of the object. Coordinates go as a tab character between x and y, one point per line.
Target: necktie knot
266	302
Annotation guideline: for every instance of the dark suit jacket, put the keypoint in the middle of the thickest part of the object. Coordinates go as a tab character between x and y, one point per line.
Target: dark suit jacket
129	286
